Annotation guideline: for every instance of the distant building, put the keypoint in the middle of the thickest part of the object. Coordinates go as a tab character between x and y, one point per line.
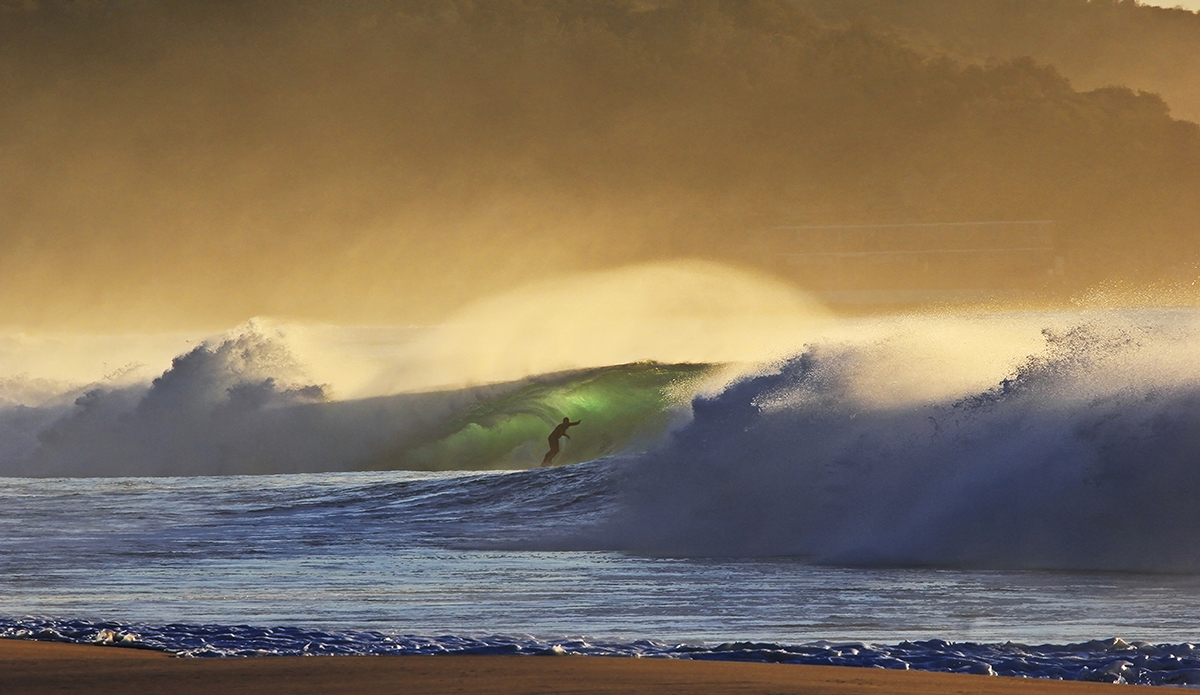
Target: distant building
917	263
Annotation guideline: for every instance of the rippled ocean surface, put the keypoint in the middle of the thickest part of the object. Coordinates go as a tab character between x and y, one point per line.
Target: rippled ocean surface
459	553
395	561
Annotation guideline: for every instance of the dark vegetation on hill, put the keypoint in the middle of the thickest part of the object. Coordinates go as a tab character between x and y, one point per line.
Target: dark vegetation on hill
389	160
1095	43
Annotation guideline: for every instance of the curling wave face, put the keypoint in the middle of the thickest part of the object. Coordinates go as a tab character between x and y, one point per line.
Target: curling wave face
244	405
481	390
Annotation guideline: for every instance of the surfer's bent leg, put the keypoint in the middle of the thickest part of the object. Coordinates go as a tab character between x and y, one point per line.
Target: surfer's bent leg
552	453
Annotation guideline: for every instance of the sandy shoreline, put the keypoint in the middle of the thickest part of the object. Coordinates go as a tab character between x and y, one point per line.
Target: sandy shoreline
35	668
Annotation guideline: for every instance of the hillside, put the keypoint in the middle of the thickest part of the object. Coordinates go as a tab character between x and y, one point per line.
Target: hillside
387	161
1095	43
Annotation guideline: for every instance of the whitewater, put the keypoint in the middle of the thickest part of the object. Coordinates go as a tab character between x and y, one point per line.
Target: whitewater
1006	492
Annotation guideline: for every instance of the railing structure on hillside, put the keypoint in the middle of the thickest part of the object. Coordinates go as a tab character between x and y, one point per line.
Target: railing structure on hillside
920	262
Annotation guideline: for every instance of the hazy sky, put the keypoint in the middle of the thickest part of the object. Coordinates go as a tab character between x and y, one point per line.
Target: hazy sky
171	165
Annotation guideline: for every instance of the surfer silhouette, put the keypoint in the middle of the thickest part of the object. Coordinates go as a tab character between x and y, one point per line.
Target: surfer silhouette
560	431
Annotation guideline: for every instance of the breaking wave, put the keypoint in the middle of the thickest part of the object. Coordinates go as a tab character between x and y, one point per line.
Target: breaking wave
1086	457
1075	449
245	405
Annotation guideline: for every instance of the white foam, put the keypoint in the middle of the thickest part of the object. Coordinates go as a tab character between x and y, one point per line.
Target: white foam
1082	459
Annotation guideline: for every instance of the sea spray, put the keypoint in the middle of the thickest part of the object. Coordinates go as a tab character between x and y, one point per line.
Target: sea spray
1082	458
269	397
670	312
245	404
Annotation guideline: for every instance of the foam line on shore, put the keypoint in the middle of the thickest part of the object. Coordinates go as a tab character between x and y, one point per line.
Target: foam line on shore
1113	660
37	668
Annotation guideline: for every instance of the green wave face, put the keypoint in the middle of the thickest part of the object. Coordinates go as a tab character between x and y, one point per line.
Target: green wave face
622	409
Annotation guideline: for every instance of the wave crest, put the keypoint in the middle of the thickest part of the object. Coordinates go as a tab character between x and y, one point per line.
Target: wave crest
1084	458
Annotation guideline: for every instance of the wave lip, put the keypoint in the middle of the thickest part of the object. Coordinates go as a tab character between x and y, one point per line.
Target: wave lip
244	405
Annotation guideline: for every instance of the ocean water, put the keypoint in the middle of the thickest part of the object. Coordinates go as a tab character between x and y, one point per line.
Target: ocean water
1000	493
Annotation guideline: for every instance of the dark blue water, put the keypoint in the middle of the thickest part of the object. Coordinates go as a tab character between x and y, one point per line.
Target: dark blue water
419	563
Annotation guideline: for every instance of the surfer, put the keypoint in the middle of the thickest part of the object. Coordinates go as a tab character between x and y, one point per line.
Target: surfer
560	431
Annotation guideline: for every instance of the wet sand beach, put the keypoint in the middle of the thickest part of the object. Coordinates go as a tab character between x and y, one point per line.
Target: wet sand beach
36	668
